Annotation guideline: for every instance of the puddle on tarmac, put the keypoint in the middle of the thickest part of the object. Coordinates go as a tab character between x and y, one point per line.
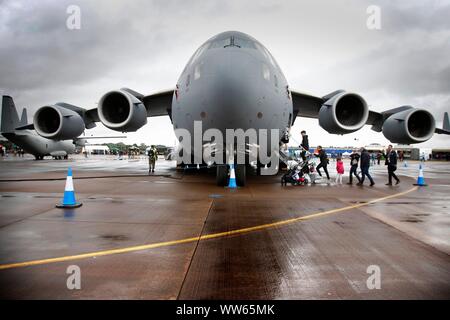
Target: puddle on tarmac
412	220
114	237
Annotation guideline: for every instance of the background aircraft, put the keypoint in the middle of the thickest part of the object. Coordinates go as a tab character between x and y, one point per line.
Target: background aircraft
14	130
232	81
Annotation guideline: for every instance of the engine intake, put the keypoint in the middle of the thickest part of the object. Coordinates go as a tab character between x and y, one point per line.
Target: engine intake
58	123
409	126
343	113
121	111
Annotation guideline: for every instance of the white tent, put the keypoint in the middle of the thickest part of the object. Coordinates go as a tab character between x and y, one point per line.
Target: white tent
346	154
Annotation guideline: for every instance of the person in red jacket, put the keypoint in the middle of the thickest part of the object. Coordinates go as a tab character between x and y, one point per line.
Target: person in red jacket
339	169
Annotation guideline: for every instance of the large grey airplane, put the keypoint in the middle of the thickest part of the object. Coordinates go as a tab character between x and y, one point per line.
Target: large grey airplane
232	81
18	132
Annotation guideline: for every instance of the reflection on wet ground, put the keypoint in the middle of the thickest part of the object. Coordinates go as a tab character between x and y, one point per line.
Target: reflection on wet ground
323	256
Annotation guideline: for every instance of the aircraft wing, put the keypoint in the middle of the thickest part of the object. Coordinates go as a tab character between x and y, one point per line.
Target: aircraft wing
308	106
100	137
441	131
25	127
305	105
338	120
159	104
90	117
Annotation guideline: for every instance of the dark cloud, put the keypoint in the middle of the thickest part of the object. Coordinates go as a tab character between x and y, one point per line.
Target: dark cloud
320	45
42	52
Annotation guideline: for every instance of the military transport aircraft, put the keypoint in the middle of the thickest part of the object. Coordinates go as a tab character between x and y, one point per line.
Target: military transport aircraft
13	129
232	81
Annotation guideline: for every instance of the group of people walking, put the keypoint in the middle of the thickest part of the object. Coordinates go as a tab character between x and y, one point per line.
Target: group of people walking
362	159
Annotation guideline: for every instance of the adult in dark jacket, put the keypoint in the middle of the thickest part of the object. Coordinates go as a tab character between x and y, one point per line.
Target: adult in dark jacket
323	162
365	164
304	146
391	162
354	160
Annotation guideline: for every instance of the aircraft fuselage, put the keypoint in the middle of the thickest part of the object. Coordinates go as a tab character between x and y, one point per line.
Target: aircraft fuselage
40	146
231	82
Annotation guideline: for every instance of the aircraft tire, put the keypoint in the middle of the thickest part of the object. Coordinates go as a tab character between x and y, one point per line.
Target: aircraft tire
240	175
222	175
259	165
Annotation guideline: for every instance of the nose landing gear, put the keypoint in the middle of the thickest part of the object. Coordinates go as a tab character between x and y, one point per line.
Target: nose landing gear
222	177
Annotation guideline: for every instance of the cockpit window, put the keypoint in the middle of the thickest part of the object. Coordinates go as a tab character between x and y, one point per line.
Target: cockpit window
244	43
266	72
221	43
198	53
232	41
198	70
266	54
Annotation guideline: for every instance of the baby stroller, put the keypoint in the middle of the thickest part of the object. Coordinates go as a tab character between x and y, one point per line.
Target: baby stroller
299	173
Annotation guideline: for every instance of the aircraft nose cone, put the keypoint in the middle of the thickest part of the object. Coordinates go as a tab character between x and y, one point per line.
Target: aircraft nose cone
234	92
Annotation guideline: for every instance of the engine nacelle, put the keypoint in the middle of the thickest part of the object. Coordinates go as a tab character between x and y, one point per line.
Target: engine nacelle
121	111
58	123
343	113
409	126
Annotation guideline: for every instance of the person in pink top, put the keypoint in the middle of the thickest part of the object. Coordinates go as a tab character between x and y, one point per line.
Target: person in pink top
339	169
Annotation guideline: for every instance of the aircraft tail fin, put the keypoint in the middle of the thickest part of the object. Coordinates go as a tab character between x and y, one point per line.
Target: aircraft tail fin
24	118
446	122
445	126
9	119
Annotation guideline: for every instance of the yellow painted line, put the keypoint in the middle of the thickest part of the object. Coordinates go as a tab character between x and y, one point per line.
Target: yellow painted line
200	238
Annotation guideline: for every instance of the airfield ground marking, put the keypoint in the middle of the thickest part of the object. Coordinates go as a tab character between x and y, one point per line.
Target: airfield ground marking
199	238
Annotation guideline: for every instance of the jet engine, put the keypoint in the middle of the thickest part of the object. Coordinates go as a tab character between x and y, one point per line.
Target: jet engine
409	126
121	111
343	113
58	123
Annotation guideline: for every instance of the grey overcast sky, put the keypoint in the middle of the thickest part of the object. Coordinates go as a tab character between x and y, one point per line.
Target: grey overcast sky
320	45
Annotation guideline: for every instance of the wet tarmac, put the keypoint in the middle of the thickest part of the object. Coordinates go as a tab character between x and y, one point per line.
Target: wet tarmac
176	235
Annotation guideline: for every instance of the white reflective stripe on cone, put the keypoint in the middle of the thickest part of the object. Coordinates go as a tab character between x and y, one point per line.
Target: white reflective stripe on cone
69	184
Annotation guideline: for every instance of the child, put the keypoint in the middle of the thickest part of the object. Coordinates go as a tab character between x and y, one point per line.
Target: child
339	169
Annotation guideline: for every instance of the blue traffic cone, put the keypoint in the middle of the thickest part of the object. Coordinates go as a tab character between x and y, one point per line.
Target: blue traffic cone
420	178
69	200
232	184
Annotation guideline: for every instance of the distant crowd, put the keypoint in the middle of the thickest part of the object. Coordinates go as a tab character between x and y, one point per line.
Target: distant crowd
14	151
